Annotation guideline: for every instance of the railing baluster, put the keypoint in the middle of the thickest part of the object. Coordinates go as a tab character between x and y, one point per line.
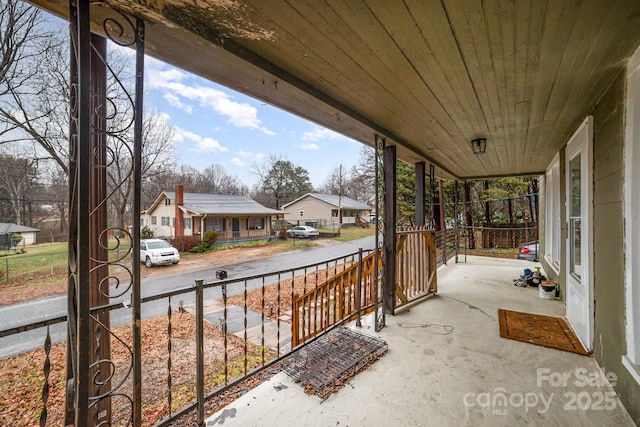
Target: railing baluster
293	296
224	334
335	294
245	328
169	345
278	316
311	323
46	371
304	310
200	350
262	323
359	289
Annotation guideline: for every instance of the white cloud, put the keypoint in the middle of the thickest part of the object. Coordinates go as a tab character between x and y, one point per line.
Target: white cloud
208	145
318	134
243	154
177	93
157	77
175	102
236	162
165	117
260	156
309	146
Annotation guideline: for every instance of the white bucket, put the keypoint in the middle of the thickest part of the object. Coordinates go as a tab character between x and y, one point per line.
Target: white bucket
546	294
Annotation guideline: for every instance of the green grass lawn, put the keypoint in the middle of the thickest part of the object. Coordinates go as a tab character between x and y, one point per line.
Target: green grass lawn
352	233
51	258
38	259
46	259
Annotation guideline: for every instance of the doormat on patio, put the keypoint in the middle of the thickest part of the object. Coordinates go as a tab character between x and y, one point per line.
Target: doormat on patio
547	331
327	363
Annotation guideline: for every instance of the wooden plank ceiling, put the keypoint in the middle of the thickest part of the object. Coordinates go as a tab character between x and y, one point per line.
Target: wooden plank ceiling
428	75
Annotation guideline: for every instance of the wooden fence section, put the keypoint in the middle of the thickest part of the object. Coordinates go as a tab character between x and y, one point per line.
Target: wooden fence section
415	265
506	235
333	301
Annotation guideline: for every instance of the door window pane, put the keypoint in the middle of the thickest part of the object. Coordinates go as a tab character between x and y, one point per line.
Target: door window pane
575	186
575	218
576	256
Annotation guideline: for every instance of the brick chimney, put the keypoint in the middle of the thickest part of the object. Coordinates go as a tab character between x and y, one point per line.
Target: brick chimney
179	214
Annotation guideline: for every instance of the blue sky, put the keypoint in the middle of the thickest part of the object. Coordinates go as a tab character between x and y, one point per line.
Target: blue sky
216	125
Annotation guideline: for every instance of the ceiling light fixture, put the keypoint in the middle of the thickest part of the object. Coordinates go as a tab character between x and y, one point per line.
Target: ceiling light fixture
479	145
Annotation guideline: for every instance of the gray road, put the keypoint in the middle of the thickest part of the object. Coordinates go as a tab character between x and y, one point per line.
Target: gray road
42	309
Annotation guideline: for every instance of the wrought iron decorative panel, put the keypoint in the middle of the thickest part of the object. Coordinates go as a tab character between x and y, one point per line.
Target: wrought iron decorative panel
105	135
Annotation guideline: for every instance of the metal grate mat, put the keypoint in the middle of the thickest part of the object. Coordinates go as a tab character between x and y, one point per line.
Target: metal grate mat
329	362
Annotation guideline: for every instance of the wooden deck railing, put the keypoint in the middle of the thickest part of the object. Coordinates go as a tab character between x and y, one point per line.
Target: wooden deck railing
415	265
334	301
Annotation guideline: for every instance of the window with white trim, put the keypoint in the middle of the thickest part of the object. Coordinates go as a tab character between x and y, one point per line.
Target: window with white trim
187	223
255	223
215	224
632	219
552	214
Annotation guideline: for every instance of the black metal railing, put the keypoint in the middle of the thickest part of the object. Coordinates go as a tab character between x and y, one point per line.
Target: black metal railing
198	342
445	246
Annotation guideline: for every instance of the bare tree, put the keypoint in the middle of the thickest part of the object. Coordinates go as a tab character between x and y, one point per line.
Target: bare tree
33	83
18	179
213	180
217	181
167	180
362	182
35	95
335	182
157	156
58	192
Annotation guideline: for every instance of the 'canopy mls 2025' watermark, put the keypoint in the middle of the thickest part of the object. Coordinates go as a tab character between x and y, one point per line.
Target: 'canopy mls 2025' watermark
594	399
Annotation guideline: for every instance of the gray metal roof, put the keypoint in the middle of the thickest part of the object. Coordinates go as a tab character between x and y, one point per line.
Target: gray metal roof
221	204
334	200
7	228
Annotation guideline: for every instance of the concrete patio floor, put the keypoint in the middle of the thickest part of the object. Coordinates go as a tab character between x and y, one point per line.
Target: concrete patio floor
447	366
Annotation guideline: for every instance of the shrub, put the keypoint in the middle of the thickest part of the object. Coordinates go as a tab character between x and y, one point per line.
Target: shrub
185	243
210	236
16	238
146	233
201	247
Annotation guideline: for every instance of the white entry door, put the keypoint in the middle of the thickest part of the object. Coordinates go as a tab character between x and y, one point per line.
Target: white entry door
579	236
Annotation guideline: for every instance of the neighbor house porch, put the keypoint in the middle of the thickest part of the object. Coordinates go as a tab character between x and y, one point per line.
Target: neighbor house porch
447	365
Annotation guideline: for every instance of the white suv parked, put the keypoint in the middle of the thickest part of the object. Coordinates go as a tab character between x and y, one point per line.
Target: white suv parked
158	252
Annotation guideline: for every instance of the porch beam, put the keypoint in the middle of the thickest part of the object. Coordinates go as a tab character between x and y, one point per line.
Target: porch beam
419	190
432	196
100	345
456	210
390	174
442	224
